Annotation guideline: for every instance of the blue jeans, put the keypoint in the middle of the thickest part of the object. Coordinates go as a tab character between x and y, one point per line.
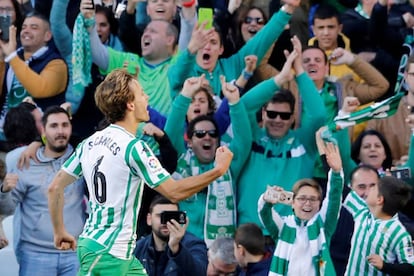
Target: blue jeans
47	264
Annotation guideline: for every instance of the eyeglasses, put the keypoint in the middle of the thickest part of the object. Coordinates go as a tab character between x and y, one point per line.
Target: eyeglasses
259	20
303	199
213	133
283	115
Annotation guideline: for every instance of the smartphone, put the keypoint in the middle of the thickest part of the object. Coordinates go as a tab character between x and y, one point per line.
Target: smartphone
205	14
5	22
179	216
401	173
284	197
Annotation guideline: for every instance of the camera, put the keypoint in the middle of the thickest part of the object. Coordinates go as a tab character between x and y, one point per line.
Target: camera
284	197
179	216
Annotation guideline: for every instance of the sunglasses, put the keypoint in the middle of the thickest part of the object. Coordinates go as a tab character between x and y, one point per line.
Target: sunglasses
283	115
202	133
259	20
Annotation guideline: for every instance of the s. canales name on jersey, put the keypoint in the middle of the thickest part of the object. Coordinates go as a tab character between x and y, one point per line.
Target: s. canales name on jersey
106	142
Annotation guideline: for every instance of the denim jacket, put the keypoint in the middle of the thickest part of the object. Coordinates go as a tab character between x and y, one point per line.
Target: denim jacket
191	258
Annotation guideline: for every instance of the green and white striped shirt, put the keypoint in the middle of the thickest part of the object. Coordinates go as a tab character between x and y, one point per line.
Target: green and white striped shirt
387	238
115	165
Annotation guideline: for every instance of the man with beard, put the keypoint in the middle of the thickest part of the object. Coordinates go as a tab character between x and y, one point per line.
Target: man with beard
169	249
26	191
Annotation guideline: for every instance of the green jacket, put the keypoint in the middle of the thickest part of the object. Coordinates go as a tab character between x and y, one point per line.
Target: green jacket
175	129
186	65
278	161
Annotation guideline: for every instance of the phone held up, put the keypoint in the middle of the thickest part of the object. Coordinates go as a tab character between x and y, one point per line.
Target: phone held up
179	216
284	197
205	14
5	22
401	173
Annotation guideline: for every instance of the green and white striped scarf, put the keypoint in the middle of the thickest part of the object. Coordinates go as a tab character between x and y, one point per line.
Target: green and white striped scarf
220	213
319	248
385	108
380	110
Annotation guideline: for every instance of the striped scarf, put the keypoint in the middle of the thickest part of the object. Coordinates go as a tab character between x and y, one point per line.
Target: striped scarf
385	108
220	214
380	110
319	248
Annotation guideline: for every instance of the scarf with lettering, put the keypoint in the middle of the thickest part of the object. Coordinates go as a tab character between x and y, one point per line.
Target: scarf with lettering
385	108
220	213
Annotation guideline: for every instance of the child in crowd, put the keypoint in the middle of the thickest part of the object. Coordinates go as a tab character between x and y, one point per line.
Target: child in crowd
380	244
302	238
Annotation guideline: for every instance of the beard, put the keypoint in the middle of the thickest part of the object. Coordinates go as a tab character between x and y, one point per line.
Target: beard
58	149
161	236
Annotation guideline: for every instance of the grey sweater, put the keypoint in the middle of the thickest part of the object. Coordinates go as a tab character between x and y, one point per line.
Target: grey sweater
32	225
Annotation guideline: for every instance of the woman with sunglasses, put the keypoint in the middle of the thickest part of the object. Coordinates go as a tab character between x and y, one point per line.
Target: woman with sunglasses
247	22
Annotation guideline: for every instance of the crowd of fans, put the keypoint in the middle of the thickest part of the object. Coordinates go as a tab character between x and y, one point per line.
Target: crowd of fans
280	83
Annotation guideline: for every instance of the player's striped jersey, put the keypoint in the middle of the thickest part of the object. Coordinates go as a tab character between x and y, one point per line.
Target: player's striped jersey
115	165
387	238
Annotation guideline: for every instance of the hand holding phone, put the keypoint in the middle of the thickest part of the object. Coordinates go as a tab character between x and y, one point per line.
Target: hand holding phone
205	14
179	216
273	195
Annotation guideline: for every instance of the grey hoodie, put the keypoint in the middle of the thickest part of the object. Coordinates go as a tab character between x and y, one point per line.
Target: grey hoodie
32	225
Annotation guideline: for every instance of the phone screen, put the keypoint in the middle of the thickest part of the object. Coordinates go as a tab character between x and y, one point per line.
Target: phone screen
402	173
205	14
5	22
178	216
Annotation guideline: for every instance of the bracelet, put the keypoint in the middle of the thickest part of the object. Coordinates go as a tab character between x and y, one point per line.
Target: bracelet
188	4
246	75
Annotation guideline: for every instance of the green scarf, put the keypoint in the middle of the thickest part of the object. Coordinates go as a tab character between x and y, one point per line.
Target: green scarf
81	52
383	109
220	214
380	110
